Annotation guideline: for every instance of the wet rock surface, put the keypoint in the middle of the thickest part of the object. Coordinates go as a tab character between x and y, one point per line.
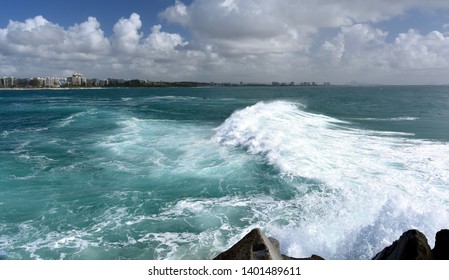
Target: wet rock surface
411	245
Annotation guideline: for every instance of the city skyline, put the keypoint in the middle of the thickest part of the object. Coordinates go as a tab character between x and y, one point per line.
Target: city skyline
405	42
79	80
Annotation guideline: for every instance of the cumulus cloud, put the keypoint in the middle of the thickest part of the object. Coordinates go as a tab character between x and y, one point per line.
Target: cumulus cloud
265	19
34	31
412	50
282	36
29	37
411	57
126	34
163	41
264	40
39	38
36	44
86	37
362	44
355	45
239	27
234	40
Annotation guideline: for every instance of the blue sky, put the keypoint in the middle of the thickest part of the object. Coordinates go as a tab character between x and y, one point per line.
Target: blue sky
382	41
67	13
422	20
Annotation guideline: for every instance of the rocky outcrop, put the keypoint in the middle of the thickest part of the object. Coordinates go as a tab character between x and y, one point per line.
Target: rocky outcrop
441	250
412	245
256	246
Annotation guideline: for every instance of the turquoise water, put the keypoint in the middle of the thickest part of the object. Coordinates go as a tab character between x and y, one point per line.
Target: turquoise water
184	173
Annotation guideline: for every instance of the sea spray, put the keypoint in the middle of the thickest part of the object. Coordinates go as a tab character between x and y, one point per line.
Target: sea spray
347	179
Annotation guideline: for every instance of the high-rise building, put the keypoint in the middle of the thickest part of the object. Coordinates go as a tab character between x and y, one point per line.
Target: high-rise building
77	79
38	82
8	82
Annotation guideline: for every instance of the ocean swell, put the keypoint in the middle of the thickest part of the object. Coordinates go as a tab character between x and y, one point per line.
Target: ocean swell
348	181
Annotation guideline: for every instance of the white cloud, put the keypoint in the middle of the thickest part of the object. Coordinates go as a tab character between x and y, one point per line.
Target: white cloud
240	27
355	46
126	34
412	50
34	31
177	13
156	56
39	47
7	69
264	19
87	37
363	51
233	40
163	41
281	36
39	38
30	37
363	46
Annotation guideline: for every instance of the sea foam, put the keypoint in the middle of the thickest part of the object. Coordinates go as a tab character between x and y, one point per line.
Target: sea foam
349	181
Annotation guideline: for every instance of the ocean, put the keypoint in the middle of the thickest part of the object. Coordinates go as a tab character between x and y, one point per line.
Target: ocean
184	173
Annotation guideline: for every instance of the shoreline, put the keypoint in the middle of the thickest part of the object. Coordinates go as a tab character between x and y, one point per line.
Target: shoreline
68	88
213	86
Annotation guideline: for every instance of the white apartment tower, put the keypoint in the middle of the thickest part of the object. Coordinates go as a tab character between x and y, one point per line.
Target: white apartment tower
77	79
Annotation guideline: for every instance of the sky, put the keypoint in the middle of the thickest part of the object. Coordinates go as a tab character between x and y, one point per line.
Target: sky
250	41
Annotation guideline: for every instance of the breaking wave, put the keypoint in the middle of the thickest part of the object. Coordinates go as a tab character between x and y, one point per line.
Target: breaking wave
357	190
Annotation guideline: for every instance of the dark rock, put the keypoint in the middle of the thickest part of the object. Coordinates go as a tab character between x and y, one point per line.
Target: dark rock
441	249
412	245
254	246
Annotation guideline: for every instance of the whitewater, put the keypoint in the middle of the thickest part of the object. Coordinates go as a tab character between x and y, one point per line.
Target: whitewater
340	172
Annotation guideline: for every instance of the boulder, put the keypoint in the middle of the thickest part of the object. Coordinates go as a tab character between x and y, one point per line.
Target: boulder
256	246
253	246
412	245
441	249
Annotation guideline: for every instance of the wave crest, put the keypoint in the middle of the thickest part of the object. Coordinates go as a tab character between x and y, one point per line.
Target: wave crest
351	176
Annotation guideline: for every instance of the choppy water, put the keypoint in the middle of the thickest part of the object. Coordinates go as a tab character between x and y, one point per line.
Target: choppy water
184	173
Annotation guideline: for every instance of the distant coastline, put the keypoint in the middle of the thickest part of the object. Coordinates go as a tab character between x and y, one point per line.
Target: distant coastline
203	85
49	88
78	81
147	84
